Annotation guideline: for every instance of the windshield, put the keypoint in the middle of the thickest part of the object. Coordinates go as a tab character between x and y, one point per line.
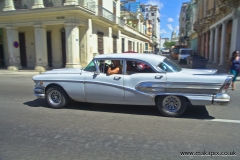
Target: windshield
91	67
169	66
186	52
176	50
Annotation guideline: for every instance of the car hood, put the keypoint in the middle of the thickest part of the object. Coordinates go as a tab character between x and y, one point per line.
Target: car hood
199	71
65	71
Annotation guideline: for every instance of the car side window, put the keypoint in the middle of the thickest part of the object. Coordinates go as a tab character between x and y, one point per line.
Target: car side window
138	67
103	65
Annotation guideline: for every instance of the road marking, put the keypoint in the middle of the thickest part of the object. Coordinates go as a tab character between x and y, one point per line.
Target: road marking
223	120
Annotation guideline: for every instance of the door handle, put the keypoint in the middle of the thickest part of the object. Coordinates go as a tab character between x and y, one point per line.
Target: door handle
117	78
158	77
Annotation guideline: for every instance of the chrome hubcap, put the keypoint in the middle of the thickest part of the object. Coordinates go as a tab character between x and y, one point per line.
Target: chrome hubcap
171	103
54	97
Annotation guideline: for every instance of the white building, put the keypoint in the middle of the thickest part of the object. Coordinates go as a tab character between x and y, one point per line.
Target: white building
153	13
63	33
163	40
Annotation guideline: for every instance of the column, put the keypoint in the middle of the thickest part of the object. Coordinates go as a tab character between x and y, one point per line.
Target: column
215	56
110	41
71	2
199	44
202	45
38	4
235	33
72	45
223	43
13	49
90	42
211	46
9	5
119	42
40	48
206	44
139	25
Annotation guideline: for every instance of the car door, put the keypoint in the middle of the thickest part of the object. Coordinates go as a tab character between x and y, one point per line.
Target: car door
100	87
140	84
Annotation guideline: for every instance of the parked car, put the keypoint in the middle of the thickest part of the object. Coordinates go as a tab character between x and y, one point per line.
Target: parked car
163	84
184	53
148	51
165	52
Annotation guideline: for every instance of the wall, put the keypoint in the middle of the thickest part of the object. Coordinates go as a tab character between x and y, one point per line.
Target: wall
194	43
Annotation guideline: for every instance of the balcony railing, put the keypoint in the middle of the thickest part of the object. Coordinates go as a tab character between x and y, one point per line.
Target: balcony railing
28	4
103	12
121	22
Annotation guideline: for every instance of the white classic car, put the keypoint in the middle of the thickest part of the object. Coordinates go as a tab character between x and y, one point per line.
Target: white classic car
145	79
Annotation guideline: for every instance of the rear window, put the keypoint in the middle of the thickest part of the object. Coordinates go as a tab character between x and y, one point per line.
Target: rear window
186	52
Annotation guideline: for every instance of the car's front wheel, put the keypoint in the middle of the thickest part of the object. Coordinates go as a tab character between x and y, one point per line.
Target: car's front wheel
56	97
171	106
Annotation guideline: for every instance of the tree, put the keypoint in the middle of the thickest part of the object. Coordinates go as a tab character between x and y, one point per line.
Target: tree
168	44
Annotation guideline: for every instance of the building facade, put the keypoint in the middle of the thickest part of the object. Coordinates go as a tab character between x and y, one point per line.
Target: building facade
152	13
182	24
45	34
218	29
191	18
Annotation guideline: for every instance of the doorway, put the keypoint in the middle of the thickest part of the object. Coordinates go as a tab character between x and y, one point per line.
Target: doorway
49	48
2	62
22	44
63	42
100	43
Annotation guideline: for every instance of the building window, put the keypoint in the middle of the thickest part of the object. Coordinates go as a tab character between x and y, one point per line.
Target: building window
146	46
129	45
152	14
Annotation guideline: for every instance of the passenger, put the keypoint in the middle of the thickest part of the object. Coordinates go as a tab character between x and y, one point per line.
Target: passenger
234	66
130	66
116	68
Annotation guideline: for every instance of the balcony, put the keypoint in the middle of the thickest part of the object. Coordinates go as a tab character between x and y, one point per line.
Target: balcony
121	22
233	4
104	13
222	7
197	26
209	16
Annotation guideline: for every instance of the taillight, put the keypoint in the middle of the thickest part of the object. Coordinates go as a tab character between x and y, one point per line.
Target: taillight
226	86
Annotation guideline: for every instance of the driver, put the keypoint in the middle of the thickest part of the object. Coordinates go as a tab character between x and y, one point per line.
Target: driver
116	68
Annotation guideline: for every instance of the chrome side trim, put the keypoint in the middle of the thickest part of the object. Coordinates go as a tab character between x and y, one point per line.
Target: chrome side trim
106	84
179	87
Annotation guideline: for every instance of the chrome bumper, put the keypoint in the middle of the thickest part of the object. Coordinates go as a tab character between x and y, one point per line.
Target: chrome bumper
39	92
40	96
221	99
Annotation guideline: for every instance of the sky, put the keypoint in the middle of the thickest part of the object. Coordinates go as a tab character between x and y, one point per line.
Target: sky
169	15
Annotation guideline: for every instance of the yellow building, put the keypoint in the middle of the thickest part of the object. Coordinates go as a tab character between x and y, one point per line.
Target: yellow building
63	33
218	29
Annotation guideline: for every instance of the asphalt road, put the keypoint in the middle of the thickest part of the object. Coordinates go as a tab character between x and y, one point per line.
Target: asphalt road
30	130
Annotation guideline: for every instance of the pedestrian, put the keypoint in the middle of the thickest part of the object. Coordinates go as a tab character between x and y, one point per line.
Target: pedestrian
234	66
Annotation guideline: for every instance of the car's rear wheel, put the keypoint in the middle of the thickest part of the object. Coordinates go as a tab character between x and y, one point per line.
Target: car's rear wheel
171	106
56	97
